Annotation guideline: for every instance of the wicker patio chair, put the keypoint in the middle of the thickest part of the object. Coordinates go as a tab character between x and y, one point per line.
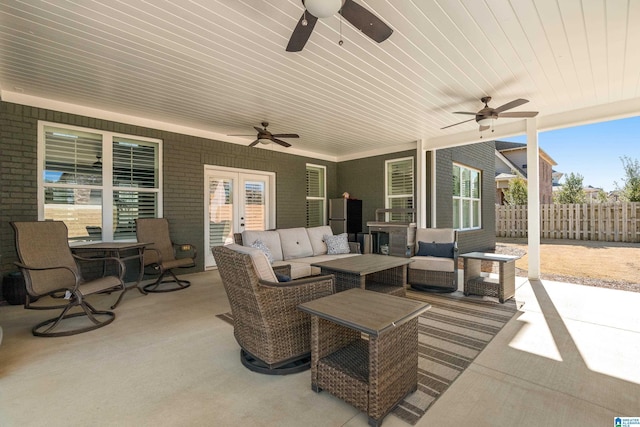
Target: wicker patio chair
273	334
437	269
50	269
160	256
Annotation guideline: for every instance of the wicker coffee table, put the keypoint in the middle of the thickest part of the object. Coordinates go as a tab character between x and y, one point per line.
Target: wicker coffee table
380	273
372	374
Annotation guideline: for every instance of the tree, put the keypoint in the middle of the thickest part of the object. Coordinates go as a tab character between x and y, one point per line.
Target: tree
572	190
603	197
630	192
516	193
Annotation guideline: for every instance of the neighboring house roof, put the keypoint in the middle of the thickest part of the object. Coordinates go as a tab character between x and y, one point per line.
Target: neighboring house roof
510	165
506	146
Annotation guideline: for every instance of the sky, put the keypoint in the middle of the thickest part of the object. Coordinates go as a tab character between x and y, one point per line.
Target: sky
593	151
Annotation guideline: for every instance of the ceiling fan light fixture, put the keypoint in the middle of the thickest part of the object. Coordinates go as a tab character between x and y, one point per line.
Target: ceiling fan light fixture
486	121
264	141
323	8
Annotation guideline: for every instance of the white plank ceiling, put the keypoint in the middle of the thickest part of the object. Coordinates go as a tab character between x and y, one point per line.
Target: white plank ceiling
218	67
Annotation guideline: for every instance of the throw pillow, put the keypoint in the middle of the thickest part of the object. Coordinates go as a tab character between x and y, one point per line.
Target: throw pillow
338	244
258	244
440	250
283	277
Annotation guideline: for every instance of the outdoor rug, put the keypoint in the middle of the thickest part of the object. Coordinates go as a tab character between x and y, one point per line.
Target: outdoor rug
451	335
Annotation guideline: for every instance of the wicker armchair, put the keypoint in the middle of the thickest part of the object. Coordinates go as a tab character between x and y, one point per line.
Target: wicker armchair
273	334
49	268
160	257
435	272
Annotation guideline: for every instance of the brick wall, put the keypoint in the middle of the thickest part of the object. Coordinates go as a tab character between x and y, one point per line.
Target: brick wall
184	158
479	156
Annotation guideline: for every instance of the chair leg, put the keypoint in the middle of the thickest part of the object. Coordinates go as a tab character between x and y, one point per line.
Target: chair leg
99	318
156	287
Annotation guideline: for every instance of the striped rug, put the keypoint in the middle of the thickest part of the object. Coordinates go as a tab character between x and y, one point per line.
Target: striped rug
451	335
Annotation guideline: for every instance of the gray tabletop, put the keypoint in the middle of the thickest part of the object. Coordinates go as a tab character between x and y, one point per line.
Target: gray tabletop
366	311
363	264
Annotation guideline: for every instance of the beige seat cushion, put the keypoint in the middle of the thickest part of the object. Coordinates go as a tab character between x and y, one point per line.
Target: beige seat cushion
295	243
270	238
432	263
298	269
316	237
259	260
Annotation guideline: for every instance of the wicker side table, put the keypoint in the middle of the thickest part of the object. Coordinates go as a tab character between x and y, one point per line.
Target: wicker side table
372	374
503	288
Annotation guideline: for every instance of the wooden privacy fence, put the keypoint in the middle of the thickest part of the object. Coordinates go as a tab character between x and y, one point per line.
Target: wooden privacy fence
611	222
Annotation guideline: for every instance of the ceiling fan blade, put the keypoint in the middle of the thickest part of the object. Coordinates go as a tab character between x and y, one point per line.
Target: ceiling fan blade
459	123
520	114
258	129
365	21
510	105
301	33
285	135
464	112
284	144
253	143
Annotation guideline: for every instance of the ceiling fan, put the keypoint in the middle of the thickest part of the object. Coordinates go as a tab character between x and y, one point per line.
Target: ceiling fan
358	16
266	137
486	116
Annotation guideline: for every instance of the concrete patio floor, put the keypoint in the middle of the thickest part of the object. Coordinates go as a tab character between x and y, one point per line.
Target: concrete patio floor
568	358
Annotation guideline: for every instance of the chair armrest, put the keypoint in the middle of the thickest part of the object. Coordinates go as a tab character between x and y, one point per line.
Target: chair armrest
61	267
185	247
354	248
282	269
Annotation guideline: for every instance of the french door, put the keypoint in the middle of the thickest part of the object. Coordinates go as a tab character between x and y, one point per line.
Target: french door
236	200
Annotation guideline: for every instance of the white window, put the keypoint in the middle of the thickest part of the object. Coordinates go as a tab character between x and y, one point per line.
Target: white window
466	198
316	195
97	182
399	187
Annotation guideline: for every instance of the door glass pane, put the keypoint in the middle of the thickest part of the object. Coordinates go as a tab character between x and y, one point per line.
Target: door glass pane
254	205
220	211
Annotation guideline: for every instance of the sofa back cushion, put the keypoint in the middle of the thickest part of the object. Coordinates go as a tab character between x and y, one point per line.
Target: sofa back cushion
259	261
316	237
271	239
295	243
